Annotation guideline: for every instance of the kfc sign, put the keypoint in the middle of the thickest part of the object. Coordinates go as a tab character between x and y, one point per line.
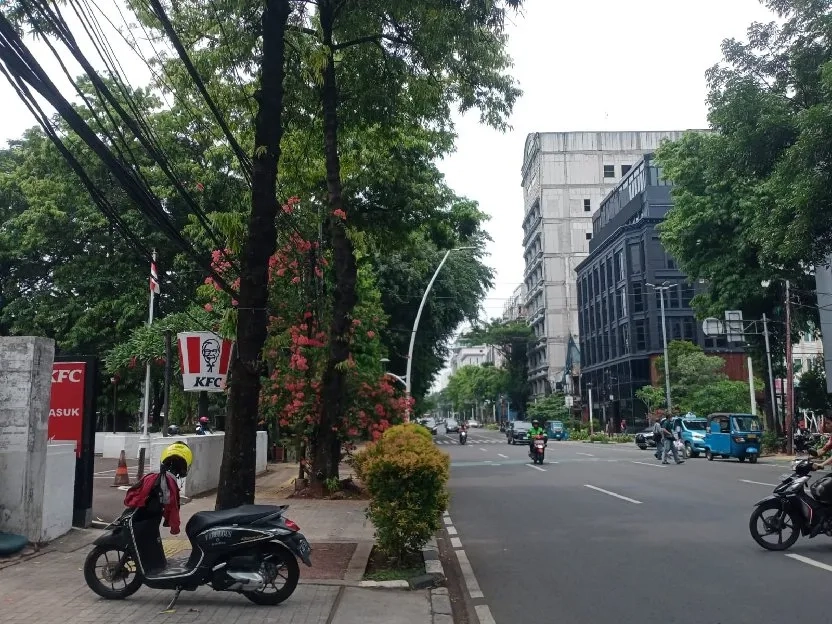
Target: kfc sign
66	406
204	358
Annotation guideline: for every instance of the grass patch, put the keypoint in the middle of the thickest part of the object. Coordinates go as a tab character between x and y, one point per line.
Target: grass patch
381	568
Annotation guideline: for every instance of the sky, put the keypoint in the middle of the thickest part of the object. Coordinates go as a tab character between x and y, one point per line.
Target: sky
592	65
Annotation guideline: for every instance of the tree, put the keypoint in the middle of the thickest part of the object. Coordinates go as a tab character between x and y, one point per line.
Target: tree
513	339
719	396
552	407
653	397
472	385
811	388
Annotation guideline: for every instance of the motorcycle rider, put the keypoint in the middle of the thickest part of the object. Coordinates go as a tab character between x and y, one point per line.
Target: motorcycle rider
535	431
463	427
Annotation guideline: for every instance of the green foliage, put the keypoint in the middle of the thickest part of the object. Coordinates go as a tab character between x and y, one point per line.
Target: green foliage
771	442
552	407
811	390
470	384
719	396
578	435
513	339
652	396
406	475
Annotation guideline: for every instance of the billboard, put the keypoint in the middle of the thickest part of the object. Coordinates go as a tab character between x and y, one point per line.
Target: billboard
204	358
66	406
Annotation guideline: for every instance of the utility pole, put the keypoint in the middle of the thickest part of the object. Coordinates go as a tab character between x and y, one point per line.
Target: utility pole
661	290
168	367
789	373
774	419
589	388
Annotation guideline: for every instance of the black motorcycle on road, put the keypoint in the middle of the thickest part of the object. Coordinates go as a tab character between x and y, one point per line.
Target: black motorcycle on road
793	509
251	549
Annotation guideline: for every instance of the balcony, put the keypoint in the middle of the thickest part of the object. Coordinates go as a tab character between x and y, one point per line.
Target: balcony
528	233
533	263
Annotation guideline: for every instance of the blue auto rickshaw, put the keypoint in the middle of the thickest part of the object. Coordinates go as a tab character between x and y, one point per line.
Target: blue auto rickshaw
556	431
733	435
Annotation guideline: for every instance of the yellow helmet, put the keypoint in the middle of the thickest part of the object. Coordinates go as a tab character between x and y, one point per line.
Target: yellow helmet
177	458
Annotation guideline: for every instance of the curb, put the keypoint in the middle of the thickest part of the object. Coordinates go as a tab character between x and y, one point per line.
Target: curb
434	576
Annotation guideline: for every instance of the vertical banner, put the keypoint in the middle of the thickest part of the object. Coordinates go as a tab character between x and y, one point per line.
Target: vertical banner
204	358
66	407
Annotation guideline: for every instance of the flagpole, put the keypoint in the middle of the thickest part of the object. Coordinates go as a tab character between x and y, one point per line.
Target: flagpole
144	440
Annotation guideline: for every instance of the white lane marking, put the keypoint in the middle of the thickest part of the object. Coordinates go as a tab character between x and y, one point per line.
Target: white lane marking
483	450
448	520
446	513
758	483
501	455
484	614
456	543
587	454
468	574
536	467
451	530
811	562
608	493
646	464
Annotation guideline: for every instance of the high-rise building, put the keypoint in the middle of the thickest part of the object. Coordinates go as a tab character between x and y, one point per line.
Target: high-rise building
565	177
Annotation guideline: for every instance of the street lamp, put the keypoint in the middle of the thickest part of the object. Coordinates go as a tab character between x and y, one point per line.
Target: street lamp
789	367
398	378
407	378
589	389
661	289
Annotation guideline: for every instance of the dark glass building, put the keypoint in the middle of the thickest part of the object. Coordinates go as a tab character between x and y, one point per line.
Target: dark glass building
619	313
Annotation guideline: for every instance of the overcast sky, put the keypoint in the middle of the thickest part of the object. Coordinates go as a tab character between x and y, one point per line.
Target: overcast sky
591	65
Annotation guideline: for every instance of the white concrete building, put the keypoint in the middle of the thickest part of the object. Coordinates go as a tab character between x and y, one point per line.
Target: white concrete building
477	355
807	353
515	307
565	176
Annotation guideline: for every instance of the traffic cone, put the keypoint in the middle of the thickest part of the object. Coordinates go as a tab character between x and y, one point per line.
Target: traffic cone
122	478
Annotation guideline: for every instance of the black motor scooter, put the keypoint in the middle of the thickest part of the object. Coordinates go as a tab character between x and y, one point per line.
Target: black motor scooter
251	549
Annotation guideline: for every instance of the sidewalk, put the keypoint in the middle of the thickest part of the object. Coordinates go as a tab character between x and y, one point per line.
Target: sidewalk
50	588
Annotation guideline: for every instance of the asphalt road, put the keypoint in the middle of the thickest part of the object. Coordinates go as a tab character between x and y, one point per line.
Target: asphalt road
604	534
108	501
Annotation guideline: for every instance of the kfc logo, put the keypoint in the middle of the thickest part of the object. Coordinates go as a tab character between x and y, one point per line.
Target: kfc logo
72	376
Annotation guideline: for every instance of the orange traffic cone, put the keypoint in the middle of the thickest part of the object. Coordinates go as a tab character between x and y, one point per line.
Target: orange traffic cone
122	478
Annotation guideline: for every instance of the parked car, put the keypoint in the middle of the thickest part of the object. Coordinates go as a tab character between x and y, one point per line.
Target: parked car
473	423
693	432
451	425
555	430
430	424
644	438
518	432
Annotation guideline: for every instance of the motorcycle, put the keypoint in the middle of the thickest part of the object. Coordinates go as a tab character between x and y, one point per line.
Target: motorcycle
795	507
463	436
248	549
537	449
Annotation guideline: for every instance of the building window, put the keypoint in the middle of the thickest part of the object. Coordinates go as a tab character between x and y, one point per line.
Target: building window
587	206
641	336
589	235
689	331
609	171
687	295
635	258
673	296
797	363
625	169
638	301
670	263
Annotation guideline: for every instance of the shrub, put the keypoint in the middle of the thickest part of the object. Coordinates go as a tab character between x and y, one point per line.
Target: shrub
407	476
599	437
771	444
578	434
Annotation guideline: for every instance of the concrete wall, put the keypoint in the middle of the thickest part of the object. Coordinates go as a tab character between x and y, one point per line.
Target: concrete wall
58	490
26	371
204	474
110	445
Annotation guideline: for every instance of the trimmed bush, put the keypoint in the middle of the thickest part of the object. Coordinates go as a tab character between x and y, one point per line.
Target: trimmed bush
406	476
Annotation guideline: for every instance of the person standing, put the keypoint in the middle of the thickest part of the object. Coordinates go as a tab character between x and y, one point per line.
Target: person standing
669	442
658	438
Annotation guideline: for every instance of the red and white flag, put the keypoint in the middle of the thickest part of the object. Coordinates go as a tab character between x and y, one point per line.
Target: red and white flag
154	279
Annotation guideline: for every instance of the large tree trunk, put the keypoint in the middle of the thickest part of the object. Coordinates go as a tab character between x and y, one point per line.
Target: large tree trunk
237	475
326	451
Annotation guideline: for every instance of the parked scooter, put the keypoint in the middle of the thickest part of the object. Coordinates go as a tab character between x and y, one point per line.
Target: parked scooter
537	449
251	549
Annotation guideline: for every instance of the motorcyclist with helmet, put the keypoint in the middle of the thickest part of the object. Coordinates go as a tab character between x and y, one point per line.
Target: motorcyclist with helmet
534	432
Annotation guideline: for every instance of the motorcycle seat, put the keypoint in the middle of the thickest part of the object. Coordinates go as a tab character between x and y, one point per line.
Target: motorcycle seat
244	514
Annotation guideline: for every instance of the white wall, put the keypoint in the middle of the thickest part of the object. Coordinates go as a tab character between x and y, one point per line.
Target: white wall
110	445
58	491
204	474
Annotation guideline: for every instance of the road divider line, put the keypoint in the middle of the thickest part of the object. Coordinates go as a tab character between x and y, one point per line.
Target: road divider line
536	467
484	450
456	542
451	529
468	574
646	464
447	520
613	494
811	562
484	614
501	455
587	454
758	483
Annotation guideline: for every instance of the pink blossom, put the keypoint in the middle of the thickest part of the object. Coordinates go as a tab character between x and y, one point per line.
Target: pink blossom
296	280
209	307
340	214
371	334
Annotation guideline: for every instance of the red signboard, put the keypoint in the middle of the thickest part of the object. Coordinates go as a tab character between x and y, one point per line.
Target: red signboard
66	407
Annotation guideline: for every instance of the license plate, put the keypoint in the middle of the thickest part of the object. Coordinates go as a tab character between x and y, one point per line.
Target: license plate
303	546
752	437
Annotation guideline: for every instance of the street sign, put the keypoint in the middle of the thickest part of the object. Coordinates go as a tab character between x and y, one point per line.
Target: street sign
204	358
733	325
568	400
712	327
66	405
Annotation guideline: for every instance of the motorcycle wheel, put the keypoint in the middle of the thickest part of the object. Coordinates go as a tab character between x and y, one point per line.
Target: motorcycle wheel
780	520
708	455
752	459
119	588
277	564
